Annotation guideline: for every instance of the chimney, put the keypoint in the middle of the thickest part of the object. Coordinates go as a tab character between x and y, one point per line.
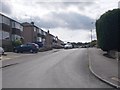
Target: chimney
48	31
32	23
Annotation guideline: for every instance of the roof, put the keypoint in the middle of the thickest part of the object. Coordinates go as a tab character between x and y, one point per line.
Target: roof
10	18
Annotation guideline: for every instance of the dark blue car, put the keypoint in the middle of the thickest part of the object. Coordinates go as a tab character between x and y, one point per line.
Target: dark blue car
40	44
30	47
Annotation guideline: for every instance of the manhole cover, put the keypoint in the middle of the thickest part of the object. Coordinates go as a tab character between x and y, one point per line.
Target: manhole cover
116	79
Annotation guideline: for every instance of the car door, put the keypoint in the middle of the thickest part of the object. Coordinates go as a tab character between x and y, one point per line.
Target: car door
29	47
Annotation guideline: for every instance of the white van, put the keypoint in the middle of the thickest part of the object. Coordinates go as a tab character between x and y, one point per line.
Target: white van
68	46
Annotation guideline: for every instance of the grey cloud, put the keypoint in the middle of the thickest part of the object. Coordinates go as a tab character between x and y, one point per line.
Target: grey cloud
42	23
6	7
119	4
74	20
78	3
47	23
56	5
71	21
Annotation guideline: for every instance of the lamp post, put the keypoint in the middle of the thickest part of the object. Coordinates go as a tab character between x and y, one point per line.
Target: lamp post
91	35
119	4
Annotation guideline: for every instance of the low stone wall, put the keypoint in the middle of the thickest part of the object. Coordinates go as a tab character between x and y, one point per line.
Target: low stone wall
119	56
115	54
45	49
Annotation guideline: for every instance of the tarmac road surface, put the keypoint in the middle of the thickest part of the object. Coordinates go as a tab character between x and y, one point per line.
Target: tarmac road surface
59	69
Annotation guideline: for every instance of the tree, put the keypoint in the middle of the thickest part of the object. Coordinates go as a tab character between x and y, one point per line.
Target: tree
93	43
79	43
108	30
17	42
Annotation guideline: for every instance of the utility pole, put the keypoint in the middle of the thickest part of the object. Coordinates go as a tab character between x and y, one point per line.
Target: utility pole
91	35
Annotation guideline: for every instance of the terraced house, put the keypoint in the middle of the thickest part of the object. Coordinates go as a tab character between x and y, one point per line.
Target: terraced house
32	33
10	31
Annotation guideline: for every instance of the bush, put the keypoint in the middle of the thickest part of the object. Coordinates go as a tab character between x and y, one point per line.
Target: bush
17	43
108	30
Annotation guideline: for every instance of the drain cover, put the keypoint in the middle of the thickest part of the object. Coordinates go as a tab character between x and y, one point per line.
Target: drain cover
116	79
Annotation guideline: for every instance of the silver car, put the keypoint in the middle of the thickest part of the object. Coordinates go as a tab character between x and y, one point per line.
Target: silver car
1	52
68	46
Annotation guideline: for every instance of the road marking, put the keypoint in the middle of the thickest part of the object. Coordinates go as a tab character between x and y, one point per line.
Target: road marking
13	57
6	58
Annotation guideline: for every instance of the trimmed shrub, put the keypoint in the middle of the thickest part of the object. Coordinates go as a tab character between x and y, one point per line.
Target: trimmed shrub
108	30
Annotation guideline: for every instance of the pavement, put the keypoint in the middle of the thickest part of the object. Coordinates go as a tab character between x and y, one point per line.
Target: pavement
11	58
106	69
12	55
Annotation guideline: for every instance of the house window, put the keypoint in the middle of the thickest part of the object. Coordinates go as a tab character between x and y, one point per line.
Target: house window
13	24
21	28
17	25
44	33
34	29
40	31
39	39
4	35
0	18
6	20
0	34
15	37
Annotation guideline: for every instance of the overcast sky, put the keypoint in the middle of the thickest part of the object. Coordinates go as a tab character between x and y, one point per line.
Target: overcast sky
70	20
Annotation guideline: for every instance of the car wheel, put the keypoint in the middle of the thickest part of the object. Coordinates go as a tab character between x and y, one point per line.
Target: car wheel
16	51
21	52
3	53
31	51
36	51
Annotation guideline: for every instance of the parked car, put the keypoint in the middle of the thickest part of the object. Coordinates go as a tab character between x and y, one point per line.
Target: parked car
85	46
1	51
68	46
29	47
40	44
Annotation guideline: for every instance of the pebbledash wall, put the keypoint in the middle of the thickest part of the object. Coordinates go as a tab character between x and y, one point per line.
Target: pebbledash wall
32	33
115	54
12	30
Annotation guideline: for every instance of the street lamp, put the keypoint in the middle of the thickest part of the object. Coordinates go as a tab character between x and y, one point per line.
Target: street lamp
91	35
119	4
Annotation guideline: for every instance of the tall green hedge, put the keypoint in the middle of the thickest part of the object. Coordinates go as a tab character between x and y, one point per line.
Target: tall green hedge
108	30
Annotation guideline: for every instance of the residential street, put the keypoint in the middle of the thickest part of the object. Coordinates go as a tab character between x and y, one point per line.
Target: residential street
52	69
